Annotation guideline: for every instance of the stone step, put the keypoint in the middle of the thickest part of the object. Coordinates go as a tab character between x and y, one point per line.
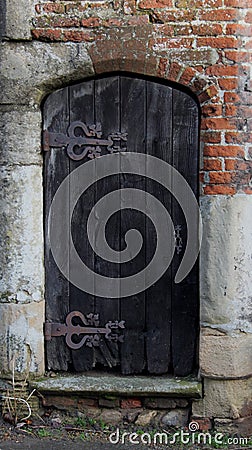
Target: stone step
97	383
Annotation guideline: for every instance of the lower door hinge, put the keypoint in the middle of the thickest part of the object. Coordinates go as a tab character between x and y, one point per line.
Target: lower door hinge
91	330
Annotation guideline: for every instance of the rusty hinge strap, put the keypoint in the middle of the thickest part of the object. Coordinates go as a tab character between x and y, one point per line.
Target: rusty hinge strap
89	140
91	330
46	143
54	140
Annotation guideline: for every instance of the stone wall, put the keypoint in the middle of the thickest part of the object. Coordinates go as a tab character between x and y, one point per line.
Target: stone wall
113	410
163	412
202	44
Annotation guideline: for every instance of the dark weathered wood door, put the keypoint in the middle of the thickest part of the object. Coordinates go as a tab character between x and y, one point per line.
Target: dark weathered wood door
161	322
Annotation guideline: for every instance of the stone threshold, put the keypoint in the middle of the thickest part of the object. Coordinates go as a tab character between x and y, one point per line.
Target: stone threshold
102	384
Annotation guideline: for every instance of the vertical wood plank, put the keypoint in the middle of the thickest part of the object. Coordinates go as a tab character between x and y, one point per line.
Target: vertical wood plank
56	168
133	308
158	296
81	103
107	112
185	297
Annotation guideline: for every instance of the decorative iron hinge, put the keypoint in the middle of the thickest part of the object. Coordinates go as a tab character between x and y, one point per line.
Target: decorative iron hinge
89	142
178	239
91	330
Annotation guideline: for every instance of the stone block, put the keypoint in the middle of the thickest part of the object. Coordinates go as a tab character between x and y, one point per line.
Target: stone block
205	424
111	417
225	356
132	415
60	402
227	399
223	425
116	385
21	234
89	411
131	403
87	402
21	339
109	402
146	418
241	427
30	71
195	56
20	137
226	282
176	418
165	403
16	20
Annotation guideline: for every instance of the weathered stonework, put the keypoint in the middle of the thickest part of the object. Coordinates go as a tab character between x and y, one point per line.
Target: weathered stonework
21	346
205	47
224	356
21	146
31	70
226	284
22	234
224	398
16	19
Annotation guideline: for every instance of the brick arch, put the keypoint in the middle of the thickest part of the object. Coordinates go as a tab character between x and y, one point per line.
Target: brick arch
118	50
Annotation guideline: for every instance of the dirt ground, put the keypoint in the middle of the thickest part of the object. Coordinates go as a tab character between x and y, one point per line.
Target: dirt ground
45	444
27	443
37	437
58	431
99	443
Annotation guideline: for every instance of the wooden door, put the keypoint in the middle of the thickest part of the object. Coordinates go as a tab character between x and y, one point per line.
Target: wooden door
161	322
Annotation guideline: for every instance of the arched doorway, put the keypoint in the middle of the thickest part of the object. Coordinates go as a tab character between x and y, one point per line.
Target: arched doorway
154	330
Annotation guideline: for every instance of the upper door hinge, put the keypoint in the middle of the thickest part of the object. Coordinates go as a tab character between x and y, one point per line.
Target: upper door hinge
84	140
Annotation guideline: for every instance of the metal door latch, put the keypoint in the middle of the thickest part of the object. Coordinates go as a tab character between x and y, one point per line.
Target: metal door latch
92	330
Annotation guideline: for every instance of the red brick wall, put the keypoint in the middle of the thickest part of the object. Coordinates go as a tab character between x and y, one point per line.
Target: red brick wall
203	44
